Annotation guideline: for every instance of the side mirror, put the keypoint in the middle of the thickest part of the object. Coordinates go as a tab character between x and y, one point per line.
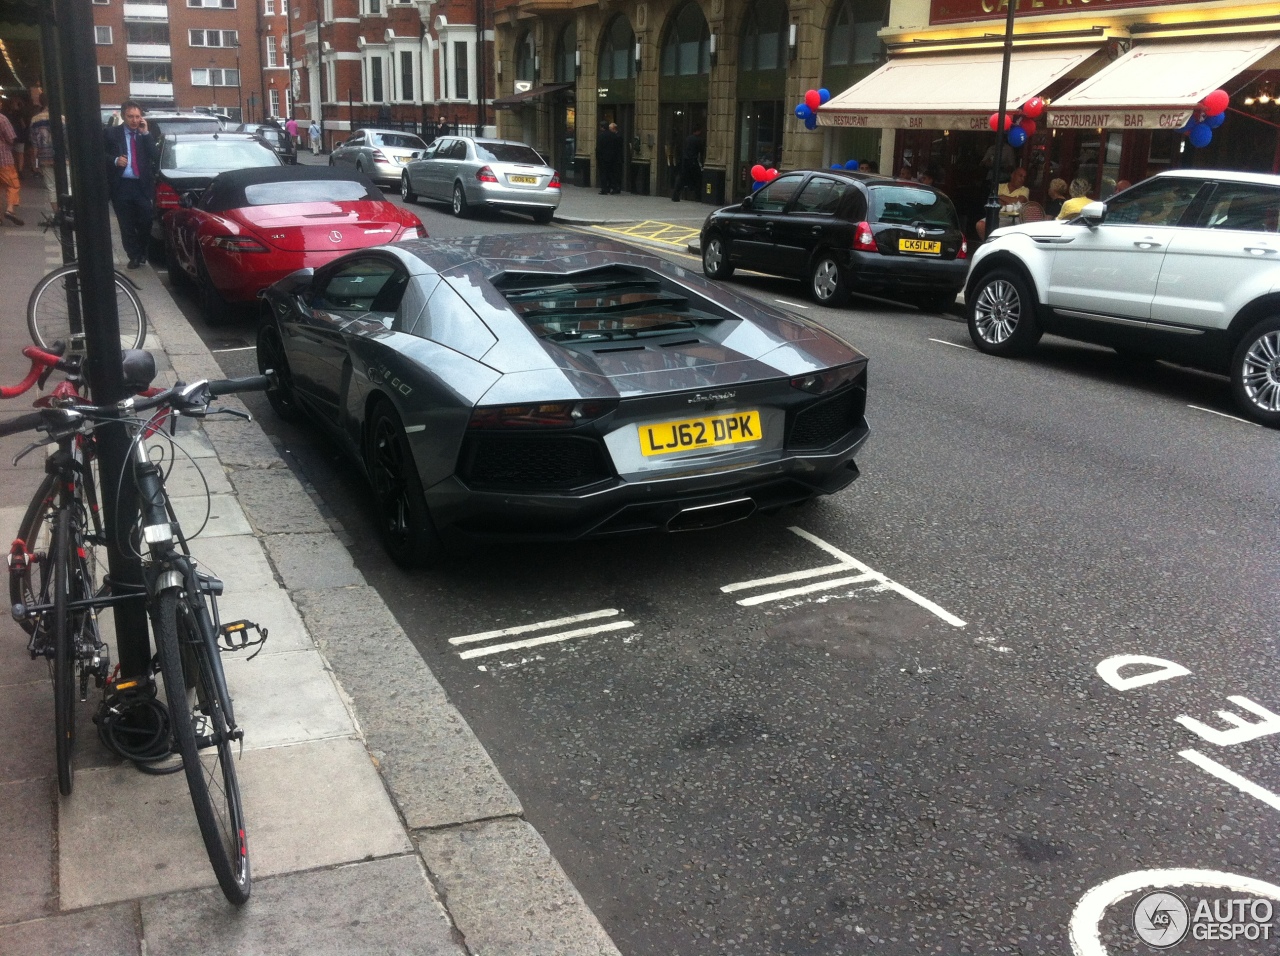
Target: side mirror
416	154
746	203
1094	213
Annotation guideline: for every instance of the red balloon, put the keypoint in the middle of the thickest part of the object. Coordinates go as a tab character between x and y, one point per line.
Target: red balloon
1033	107
771	174
1028	127
995	119
1217	102
758	173
813	99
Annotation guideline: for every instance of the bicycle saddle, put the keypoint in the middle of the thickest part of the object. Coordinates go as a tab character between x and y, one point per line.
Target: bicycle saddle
139	368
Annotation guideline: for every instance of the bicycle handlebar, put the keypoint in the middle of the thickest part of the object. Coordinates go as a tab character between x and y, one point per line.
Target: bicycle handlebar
23	423
249	383
41	363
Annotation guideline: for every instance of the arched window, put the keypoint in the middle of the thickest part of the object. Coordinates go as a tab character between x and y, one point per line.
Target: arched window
525	69
617	53
566	47
764	37
852	39
686	49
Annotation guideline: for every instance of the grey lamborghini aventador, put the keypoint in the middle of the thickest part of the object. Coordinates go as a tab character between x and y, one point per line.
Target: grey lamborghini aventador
558	386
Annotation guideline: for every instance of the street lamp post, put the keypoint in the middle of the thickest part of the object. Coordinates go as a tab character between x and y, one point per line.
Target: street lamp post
993	201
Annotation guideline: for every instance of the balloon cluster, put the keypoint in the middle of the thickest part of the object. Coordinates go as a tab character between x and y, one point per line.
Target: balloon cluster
761	175
1213	113
851	164
808	110
1026	124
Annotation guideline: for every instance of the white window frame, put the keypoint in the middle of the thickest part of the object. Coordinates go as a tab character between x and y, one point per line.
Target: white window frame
273	51
273	101
101	3
208	72
462	33
98	34
223	37
212	4
110	70
269	9
403	95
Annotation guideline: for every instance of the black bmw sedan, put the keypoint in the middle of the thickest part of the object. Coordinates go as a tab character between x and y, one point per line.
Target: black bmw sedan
843	232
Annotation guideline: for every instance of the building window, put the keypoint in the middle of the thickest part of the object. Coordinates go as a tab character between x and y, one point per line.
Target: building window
524	59
617	56
151	72
273	55
214	37
854	35
372	8
764	37
102	36
102	3
284	8
274	96
106	74
215	77
460	88
406	75
686	50
288	104
566	47
270	8
142	32
375	79
213	4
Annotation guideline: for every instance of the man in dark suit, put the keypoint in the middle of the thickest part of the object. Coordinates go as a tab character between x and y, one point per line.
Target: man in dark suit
611	155
131	165
690	172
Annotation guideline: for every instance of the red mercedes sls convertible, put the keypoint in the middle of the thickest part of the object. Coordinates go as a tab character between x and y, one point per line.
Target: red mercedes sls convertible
251	227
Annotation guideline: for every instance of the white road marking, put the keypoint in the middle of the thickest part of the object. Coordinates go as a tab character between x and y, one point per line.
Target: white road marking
794	305
1230	776
243	348
806	589
1084	932
954	345
545	639
784	578
541	626
1243	421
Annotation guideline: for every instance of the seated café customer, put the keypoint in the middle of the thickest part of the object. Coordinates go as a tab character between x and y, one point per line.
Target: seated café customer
1057	196
1012	193
1079	199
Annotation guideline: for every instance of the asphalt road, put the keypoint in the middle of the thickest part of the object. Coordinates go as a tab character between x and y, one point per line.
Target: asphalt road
848	770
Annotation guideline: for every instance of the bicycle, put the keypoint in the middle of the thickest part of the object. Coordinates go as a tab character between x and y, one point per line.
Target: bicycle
53	309
182	604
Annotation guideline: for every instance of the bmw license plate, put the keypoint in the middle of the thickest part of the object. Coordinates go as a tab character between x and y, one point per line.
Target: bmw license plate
523	180
924	246
686	434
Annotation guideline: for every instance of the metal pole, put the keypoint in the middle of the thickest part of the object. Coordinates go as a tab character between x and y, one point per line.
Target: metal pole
993	201
102	322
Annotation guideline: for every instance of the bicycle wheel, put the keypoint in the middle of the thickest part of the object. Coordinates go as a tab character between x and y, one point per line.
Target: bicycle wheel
50	307
197	712
28	567
62	558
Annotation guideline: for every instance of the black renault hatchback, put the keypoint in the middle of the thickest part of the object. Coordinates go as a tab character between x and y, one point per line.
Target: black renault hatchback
844	231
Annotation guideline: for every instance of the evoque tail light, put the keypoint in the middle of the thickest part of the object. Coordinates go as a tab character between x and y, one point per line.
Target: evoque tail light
819	383
545	415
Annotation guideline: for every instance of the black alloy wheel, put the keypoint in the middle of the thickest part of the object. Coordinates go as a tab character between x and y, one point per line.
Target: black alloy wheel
178	277
404	522
271	356
1002	315
826	281
406	188
715	258
1255	373
212	304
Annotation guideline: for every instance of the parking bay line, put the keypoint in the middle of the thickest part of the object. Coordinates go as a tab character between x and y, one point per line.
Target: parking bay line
1242	421
954	345
545	639
541	626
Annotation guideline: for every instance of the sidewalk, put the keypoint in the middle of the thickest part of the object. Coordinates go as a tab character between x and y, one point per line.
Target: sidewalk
376	820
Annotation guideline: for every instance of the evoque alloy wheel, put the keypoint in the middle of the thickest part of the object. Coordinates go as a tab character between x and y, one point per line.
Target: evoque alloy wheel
1255	373
1002	319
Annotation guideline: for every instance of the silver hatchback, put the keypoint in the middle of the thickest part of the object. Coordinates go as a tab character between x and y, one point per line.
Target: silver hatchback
380	154
470	173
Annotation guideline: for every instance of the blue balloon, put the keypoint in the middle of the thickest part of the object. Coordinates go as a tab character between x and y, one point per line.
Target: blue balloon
1191	121
824	94
1201	135
756	185
1213	122
851	164
1017	136
803	111
811	122
837	165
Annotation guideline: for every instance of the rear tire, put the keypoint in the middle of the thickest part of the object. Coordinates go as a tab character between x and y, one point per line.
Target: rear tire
543	216
715	258
460	208
178	277
1002	315
1255	373
212	304
64	651
406	189
29	585
404	521
271	355
826	281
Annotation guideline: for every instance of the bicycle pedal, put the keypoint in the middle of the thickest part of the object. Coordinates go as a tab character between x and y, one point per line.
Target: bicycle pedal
238	635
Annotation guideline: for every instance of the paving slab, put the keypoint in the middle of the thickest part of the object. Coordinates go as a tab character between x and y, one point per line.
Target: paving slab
312	561
385	906
285	698
28	704
211	516
269	608
26	849
186	479
437	770
238	560
507	894
276	503
106	931
242	444
307	805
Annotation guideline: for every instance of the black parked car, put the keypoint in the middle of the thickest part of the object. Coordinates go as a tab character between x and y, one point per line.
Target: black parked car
841	232
276	137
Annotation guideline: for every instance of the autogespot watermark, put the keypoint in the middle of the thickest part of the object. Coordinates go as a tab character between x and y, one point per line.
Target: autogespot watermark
1162	919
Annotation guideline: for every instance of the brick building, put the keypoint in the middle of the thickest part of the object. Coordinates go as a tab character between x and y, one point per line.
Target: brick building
388	63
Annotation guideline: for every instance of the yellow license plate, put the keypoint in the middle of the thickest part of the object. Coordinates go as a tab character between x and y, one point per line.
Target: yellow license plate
524	180
687	434
920	245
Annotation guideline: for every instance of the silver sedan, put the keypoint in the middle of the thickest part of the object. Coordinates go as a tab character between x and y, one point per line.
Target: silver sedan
378	153
470	173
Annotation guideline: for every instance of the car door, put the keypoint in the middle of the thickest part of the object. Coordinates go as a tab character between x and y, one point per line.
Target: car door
347	154
810	223
1229	256
431	175
418	170
752	230
1107	273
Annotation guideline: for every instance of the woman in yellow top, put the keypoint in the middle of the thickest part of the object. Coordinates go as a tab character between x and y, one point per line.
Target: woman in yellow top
1079	199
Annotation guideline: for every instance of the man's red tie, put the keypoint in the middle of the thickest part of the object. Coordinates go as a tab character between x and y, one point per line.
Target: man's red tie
133	153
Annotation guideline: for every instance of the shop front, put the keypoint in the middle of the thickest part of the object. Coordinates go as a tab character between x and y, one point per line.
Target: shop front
761	90
684	84
616	100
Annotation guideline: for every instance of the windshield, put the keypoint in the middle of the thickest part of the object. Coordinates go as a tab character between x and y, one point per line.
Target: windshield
185	124
508	153
315	190
212	154
605	305
401	141
909	205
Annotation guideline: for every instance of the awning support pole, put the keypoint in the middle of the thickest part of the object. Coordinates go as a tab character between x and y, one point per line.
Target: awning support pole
993	201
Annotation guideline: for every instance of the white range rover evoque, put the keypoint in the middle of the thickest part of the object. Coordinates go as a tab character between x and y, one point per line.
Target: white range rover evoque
1184	266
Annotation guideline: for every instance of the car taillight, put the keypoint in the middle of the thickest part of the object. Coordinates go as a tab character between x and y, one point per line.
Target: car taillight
167	197
380	157
413	232
239	244
819	383
547	415
864	240
485	175
964	249
555	181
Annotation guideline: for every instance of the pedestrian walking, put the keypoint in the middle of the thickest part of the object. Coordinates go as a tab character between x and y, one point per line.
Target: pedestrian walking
442	127
609	151
291	127
9	173
42	142
313	131
129	152
689	175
